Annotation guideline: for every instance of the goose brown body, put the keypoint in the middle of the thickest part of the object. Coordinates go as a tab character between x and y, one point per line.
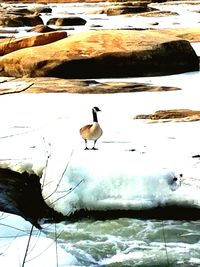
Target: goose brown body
92	131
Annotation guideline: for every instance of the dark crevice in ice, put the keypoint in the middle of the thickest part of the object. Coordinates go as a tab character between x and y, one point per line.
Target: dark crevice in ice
171	212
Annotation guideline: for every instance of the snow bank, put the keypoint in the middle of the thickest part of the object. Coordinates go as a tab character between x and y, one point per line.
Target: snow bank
103	180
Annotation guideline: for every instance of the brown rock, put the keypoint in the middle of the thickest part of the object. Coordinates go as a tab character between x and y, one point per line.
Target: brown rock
40	9
7	20
17	11
103	53
57	85
158	13
11	45
69	21
30	20
115	11
10	21
33	9
173	114
190	34
42	28
121	8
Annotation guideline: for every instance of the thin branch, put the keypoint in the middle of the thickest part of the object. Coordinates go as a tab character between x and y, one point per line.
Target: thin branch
44	249
27	247
48	155
12	227
68	192
164	239
17	91
56	239
55	190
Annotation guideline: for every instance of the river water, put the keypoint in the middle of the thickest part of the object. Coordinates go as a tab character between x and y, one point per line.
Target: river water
39	123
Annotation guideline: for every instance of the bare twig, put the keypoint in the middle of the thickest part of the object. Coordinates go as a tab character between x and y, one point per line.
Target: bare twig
67	192
55	190
56	245
27	247
48	155
17	91
164	239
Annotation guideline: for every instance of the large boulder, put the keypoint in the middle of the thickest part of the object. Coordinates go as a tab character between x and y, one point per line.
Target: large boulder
11	45
103	53
14	20
39	8
32	9
128	8
17	11
10	21
122	8
68	21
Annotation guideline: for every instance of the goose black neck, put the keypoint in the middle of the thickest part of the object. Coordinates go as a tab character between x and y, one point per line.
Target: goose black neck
94	116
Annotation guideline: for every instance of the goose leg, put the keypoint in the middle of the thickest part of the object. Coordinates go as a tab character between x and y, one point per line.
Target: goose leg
86	148
94	148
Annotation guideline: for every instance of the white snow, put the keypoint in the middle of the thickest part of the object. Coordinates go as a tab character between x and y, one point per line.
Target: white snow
42	133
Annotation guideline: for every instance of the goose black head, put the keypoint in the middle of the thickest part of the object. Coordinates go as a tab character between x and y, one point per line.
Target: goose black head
96	109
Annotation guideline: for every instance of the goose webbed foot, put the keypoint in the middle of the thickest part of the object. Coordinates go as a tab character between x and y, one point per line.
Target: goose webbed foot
94	148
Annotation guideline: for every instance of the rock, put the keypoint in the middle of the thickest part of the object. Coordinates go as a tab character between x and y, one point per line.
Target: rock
27	11
31	20
193	37
158	13
15	44
190	34
41	29
18	11
69	21
121	8
103	53
173	114
10	21
7	20
128	8
57	85
40	9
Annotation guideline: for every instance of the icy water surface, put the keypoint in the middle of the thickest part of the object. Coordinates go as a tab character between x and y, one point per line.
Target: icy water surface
131	242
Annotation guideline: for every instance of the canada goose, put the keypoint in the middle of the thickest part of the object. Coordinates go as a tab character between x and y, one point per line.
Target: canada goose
92	131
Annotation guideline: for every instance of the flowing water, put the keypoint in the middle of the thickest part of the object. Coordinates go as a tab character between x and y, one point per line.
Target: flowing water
36	125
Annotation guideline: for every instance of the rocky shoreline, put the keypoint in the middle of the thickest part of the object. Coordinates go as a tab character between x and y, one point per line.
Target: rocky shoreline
51	52
99	53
